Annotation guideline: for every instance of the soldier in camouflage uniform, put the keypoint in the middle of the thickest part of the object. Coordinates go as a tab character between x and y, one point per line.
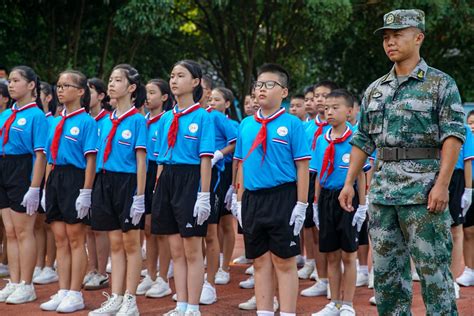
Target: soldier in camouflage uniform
408	115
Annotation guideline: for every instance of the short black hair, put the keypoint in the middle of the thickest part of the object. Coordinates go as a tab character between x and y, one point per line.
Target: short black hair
207	81
470	113
344	94
277	70
3	67
326	83
308	89
297	96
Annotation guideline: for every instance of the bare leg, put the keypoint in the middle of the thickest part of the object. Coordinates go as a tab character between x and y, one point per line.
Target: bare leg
24	229
50	247
350	274
456	252
180	267
92	264
119	261
165	255
133	250
227	224
152	249
264	285
334	272
195	267
287	275
469	247
77	242
12	246
64	254
212	253
40	234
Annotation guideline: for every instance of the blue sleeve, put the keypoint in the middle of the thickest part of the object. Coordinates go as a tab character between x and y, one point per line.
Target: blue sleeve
468	145
318	155
207	144
141	131
90	136
299	145
238	145
40	135
230	131
159	138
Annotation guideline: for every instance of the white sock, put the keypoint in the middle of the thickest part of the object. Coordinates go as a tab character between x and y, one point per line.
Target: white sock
310	261
192	308
364	269
75	293
62	292
265	313
287	314
221	259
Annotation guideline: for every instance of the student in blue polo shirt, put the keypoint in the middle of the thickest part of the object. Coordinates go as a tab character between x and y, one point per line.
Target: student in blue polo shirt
185	147
158	101
273	190
69	177
338	229
460	199
22	165
118	195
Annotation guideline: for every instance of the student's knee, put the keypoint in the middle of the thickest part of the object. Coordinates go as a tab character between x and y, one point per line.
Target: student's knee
61	241
284	265
349	258
457	234
262	262
10	232
23	233
131	245
469	233
333	257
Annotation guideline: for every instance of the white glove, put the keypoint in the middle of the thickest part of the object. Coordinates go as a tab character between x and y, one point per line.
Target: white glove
367	199
43	200
237	210
31	200
83	203
228	198
297	217
218	155
138	208
466	201
359	216
202	208
316	215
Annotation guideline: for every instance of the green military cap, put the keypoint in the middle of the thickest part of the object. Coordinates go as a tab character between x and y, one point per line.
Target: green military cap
402	19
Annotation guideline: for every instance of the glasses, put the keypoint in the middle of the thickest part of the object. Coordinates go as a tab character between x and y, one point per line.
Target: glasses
267	84
66	86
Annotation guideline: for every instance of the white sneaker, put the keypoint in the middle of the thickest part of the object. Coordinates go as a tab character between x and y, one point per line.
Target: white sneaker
88	277
371	279
362	279
241	260
174	312
54	301
192	313
347	310
251	304
24	293
36	272
329	293
456	290
108	268
97	282
71	303
4	270
222	277
466	278
145	285
175	297
47	276
250	270
372	301
317	289
161	288
143	273
170	270
129	306
300	261
329	310
110	307
248	284
275	304
415	277
306	270
7	291
208	294
314	275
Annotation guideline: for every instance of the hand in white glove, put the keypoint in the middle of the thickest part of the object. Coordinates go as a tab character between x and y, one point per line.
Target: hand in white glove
237	210
43	200
138	208
228	198
31	200
202	208
218	155
359	216
83	203
316	215
297	217
466	200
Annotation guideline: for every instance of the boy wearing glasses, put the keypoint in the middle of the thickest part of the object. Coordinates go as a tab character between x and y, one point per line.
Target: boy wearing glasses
272	190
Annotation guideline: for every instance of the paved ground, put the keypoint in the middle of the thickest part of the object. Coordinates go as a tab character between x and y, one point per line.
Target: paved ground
229	296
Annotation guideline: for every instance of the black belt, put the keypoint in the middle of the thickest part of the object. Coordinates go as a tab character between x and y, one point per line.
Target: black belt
397	153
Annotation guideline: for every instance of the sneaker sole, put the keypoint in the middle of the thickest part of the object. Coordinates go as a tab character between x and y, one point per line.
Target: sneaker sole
161	295
44	282
247	287
98	287
78	308
247	308
222	283
313	295
31	299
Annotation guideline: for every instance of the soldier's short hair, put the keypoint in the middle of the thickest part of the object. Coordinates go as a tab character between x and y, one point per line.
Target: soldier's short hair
344	94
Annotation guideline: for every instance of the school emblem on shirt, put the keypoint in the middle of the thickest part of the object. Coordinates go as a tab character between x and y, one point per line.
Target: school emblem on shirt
74	131
21	121
126	134
282	131
193	127
346	158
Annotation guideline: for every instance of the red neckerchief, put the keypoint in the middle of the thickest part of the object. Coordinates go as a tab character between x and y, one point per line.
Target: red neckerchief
101	114
150	121
328	160
320	124
173	131
115	123
11	119
209	109
59	131
261	137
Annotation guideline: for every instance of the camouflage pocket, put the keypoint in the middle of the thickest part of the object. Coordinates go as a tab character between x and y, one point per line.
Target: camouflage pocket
420	166
418	118
375	117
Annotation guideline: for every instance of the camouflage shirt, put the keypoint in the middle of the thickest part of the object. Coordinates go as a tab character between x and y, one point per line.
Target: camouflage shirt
420	112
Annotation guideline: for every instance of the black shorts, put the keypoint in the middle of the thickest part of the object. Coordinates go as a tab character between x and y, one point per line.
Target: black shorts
112	198
469	219
308	221
335	225
62	190
265	218
214	199
224	184
150	184
174	200
15	180
456	190
364	232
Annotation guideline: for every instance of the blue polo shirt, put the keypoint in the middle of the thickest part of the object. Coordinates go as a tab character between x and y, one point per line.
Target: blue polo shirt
226	133
152	129
130	135
235	125
79	138
28	133
342	156
49	118
467	149
286	143
195	137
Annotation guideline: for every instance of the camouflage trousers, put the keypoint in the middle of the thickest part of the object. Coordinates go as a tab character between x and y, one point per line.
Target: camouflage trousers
398	232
